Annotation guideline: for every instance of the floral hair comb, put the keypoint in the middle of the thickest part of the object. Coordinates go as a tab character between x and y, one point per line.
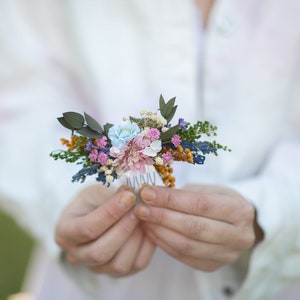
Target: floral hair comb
136	149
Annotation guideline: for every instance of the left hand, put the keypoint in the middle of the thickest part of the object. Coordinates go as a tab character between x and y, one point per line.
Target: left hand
203	226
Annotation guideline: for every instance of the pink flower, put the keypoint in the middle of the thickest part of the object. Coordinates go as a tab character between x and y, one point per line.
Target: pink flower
153	134
93	155
101	143
176	140
131	157
167	157
102	158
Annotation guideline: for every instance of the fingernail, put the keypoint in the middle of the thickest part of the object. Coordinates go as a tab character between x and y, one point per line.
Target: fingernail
142	212
148	194
127	199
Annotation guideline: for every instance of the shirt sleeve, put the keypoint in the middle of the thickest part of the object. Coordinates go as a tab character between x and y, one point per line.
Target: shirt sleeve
34	91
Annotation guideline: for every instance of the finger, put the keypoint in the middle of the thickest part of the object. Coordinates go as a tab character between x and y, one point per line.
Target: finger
223	207
145	254
194	227
183	247
102	250
89	227
122	263
206	265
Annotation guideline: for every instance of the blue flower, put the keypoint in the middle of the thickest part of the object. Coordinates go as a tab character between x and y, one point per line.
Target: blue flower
121	134
182	124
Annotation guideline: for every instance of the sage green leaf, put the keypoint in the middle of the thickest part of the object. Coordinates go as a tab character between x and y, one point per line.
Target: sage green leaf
92	123
90	133
62	121
75	120
162	102
107	126
169	106
171	114
166	136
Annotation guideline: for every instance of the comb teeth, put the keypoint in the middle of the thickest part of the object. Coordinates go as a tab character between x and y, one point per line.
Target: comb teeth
135	181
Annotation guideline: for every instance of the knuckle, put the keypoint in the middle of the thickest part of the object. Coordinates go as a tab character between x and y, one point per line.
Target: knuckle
87	231
248	240
159	216
247	213
186	248
112	213
119	268
141	265
201	205
194	227
97	257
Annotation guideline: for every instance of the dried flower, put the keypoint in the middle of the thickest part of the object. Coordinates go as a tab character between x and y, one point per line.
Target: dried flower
135	144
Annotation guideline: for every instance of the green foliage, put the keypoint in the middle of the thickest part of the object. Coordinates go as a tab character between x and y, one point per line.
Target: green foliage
167	135
167	110
195	131
83	125
69	156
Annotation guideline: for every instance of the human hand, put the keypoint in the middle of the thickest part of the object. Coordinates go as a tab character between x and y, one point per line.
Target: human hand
98	229
203	226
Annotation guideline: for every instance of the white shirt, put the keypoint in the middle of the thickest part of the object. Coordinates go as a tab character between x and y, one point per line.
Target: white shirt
96	56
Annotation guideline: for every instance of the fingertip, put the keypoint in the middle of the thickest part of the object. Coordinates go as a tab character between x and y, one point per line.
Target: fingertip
148	193
127	199
142	211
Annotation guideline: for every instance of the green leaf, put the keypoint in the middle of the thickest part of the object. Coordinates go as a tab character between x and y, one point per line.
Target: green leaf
162	102
169	106
107	126
168	109
171	114
62	121
73	119
90	133
92	123
167	135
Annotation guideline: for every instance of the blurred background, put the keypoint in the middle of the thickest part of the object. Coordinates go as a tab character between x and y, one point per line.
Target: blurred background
13	262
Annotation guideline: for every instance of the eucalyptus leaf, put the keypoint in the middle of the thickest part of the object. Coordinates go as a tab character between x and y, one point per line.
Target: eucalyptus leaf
169	106
92	123
62	121
167	135
75	120
90	133
107	126
170	116
162	103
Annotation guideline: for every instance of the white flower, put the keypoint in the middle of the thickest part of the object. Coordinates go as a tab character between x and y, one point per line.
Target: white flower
109	178
159	161
162	121
153	117
108	171
153	148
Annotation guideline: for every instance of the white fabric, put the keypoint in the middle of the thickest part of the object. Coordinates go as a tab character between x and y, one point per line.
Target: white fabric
111	58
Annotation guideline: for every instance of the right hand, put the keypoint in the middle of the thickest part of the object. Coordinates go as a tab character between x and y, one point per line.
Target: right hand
98	229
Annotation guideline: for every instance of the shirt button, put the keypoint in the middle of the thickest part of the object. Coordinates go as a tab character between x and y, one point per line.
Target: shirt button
228	291
225	25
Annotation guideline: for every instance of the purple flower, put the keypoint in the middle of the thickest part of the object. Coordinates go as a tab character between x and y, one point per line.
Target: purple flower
93	155
167	157
153	134
182	124
102	158
101	143
176	140
89	145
